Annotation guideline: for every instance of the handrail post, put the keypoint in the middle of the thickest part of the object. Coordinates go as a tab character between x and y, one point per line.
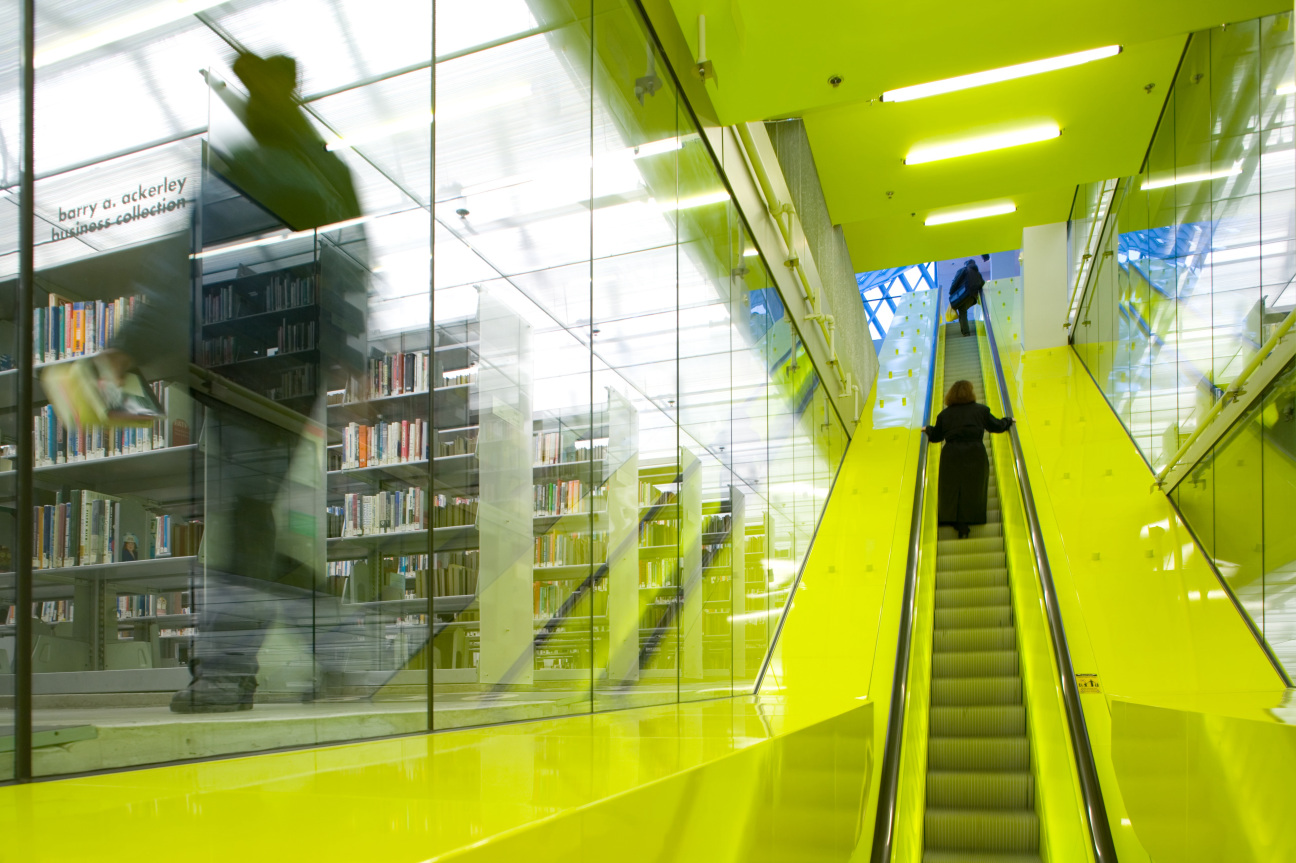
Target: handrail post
888	789
1096	813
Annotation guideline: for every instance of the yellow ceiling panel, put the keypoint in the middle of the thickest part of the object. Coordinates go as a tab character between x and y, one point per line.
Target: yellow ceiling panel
775	59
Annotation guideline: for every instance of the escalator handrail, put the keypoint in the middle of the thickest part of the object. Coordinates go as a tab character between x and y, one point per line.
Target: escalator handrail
1096	813
888	790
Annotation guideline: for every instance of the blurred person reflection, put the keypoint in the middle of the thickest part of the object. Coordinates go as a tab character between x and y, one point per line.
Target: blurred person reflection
264	508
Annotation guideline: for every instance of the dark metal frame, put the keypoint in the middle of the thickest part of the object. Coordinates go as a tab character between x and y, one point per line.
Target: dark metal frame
23	317
1090	788
888	790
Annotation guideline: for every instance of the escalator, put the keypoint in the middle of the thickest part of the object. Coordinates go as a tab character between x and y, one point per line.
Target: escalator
980	787
960	780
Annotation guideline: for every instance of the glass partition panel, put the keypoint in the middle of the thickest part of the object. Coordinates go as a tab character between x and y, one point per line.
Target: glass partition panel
461	394
1194	281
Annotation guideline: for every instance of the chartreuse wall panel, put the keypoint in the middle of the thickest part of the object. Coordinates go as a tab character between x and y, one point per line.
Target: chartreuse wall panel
1144	612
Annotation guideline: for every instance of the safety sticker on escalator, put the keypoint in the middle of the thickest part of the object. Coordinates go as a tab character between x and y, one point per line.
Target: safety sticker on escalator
1087	683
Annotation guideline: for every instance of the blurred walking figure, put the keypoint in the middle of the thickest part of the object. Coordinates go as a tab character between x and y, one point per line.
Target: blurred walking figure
965	290
964	465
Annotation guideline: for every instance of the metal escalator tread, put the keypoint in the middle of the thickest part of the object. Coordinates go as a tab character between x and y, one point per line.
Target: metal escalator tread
980	805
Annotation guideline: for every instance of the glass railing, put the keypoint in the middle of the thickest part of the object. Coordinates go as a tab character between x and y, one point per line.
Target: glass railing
1193	275
1197	270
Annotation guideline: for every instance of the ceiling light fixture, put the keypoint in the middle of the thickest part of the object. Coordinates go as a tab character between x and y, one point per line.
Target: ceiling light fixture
1286	89
994	76
1200	177
752	253
971	213
131	25
982	144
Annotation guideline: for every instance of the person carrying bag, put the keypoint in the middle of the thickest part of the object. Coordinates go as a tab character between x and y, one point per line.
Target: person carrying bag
965	290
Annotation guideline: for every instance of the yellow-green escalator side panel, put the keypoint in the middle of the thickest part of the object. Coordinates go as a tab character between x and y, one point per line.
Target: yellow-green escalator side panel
1059	801
1143	610
907	845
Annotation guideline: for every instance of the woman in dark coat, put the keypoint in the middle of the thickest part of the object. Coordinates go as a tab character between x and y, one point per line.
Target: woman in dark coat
964	466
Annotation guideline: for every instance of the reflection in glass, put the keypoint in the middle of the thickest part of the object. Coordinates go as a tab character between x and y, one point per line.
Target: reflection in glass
466	416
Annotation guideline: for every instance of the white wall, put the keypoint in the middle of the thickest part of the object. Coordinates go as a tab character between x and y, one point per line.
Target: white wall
1044	284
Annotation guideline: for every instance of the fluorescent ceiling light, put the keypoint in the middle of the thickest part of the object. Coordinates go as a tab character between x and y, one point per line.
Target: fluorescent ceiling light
994	76
1174	180
1286	89
982	144
689	203
971	213
123	28
751	253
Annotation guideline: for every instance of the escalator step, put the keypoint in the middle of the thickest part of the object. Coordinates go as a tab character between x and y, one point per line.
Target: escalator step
965	546
978	753
979	531
972	560
970	597
975	663
972	578
979	638
957	691
977	857
988	720
963	790
981	830
974	618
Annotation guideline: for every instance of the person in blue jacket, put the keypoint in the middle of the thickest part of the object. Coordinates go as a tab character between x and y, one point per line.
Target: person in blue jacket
965	290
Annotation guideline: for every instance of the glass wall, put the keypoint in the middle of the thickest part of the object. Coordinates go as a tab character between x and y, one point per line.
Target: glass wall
400	368
1198	272
1240	499
1195	278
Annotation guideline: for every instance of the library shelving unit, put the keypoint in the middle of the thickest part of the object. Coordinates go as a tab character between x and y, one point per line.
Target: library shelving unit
586	555
723	571
111	616
751	633
670	568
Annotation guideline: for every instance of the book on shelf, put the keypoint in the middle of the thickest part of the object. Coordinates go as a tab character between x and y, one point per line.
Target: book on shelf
548	598
453	573
451	511
172	537
721	523
550	448
230	301
83	528
658	533
399	373
56	442
383	443
64	329
459	377
463	443
391	511
650	495
570	549
151	604
563	498
657	573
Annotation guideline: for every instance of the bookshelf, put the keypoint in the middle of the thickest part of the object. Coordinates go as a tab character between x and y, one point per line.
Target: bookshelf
585	562
96	489
670	568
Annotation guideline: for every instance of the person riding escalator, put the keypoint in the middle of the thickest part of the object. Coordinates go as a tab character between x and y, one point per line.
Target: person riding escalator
964	465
